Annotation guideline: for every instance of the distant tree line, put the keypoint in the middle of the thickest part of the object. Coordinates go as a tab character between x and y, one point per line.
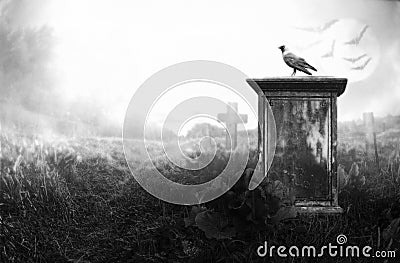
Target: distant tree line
26	66
205	129
29	77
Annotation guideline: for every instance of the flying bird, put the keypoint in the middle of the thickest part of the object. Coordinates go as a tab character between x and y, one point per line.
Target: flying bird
310	45
295	62
357	39
330	53
361	67
353	60
319	29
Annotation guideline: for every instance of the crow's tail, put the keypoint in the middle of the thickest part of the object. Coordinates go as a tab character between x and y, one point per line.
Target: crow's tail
304	70
311	67
306	65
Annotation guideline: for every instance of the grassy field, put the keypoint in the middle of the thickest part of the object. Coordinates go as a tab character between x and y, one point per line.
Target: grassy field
66	200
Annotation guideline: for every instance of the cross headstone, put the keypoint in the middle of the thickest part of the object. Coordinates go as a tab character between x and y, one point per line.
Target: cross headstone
231	118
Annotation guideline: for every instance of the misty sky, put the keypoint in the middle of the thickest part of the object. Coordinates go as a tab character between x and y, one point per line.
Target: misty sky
106	49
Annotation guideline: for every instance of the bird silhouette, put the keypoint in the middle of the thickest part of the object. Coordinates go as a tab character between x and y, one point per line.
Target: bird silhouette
357	39
330	53
309	45
319	29
295	62
362	66
353	60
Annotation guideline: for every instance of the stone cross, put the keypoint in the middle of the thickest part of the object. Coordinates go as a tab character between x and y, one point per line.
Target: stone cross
232	118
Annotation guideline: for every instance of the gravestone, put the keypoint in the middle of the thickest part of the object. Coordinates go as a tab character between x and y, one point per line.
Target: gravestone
369	125
305	113
370	134
232	119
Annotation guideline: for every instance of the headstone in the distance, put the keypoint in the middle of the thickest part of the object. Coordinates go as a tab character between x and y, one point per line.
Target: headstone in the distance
231	118
369	124
370	134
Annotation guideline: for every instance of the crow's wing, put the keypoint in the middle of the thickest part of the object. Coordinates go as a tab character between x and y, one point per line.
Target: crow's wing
297	62
309	66
305	71
292	60
293	57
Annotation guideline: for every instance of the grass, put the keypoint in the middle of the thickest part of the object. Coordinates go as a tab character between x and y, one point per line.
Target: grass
76	201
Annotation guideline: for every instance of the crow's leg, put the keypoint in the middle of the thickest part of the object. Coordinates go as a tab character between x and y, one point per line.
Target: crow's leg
294	72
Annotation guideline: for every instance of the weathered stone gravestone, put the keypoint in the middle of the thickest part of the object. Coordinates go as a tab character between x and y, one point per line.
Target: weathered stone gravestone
305	113
369	125
370	134
232	119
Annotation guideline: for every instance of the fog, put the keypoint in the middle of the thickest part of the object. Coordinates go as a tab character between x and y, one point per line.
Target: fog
83	60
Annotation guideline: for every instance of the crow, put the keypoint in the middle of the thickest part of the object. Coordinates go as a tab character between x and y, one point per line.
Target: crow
357	39
361	67
295	62
353	60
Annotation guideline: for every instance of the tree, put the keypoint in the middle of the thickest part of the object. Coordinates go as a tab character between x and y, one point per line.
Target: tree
27	72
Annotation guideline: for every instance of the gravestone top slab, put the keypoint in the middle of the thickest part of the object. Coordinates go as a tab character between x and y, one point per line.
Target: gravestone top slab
314	84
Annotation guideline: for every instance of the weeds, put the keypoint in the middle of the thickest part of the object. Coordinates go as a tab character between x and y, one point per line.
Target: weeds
76	201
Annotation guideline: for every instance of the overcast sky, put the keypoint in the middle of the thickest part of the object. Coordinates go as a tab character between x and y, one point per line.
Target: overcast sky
106	49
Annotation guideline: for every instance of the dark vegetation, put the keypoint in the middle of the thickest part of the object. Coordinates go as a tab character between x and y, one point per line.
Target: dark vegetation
76	201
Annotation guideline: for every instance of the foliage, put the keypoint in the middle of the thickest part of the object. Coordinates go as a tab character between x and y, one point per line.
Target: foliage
241	212
214	225
353	179
26	64
69	200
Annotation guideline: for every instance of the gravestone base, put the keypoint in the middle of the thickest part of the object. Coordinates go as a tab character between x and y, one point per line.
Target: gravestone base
317	208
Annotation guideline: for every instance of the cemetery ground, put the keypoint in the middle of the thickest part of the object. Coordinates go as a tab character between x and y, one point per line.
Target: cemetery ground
76	201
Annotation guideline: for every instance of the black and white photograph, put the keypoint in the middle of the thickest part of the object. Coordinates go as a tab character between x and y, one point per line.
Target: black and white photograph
199	131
